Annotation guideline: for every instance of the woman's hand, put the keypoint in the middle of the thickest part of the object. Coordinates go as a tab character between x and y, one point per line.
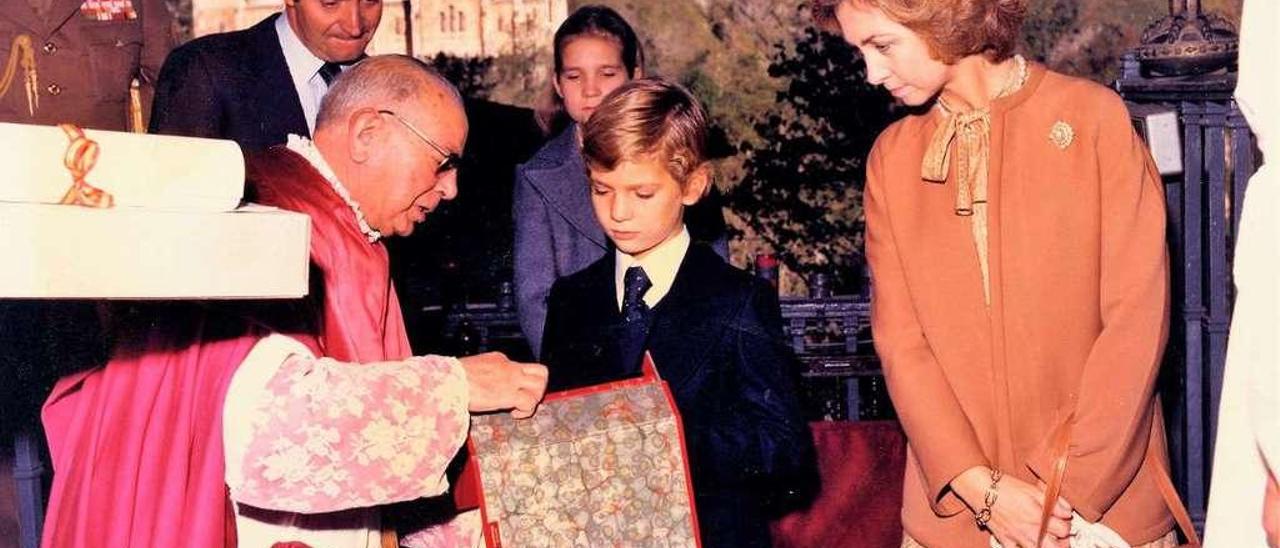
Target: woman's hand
1015	516
1271	512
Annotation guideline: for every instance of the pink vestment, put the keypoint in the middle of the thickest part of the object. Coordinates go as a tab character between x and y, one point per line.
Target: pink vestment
137	444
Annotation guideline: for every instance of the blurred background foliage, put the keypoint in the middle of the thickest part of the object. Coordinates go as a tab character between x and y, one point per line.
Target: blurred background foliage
794	120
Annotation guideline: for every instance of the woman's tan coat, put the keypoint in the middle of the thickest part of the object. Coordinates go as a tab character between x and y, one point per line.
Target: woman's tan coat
1078	315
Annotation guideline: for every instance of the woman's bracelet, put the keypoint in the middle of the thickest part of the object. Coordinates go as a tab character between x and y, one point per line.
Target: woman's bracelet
983	517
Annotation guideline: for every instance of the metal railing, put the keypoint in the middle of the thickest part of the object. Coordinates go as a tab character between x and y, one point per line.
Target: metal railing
1204	201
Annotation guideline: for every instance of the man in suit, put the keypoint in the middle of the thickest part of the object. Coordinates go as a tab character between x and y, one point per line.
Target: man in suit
257	86
715	332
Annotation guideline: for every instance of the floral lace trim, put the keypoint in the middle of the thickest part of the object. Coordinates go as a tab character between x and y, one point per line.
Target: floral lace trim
305	148
330	436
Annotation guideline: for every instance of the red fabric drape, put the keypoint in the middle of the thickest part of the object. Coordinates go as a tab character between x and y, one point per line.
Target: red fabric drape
137	445
860	501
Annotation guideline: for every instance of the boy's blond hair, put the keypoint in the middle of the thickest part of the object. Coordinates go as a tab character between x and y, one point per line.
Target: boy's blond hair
645	120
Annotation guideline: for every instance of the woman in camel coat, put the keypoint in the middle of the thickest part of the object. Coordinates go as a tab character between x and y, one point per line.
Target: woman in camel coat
1015	233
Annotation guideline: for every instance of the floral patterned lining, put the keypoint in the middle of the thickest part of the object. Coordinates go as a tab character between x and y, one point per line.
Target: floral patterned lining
595	468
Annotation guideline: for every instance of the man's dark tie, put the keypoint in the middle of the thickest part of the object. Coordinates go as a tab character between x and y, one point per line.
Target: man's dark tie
329	71
635	318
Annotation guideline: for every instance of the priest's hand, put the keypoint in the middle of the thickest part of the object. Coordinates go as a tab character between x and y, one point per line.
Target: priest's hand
496	383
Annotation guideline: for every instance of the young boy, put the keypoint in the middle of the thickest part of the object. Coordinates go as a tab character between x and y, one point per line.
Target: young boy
715	332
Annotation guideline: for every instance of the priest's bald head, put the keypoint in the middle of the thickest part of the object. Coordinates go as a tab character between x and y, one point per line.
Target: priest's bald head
393	129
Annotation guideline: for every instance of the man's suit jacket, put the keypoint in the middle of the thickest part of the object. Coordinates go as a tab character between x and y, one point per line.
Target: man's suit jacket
83	65
234	85
716	338
557	233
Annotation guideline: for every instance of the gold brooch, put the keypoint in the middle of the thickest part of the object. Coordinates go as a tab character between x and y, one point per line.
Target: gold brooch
1061	135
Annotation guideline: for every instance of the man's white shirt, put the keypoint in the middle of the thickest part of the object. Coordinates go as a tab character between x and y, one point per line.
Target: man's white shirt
304	71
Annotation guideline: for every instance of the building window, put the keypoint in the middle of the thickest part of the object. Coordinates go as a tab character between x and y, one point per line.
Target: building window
442	27
462	21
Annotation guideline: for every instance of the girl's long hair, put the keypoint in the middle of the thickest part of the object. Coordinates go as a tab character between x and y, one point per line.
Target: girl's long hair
589	20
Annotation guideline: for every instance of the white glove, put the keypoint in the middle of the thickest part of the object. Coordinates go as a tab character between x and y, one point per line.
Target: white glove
1087	535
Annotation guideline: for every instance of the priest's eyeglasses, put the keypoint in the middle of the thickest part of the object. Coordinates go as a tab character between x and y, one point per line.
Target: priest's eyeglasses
449	161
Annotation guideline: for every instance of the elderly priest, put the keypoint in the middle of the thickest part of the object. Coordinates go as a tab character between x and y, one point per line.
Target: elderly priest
290	420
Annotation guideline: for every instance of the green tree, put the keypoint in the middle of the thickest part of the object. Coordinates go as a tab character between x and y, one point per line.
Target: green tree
720	50
802	187
521	76
1087	38
1063	36
472	75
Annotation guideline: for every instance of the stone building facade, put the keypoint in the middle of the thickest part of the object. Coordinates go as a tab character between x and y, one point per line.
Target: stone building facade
464	28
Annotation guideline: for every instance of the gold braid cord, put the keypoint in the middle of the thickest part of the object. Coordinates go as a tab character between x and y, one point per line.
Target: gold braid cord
82	154
22	53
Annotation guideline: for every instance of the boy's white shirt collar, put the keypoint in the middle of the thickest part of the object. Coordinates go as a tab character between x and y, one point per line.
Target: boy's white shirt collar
660	265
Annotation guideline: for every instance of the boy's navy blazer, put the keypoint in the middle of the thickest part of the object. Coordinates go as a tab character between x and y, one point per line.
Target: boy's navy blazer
233	85
717	339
